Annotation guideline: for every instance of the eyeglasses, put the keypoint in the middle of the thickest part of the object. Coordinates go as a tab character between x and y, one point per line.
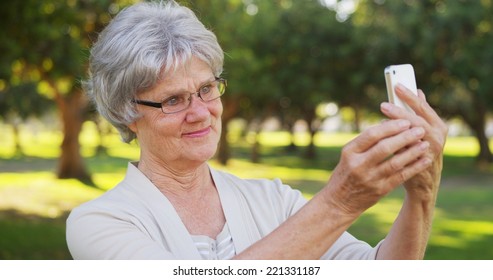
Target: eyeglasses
179	102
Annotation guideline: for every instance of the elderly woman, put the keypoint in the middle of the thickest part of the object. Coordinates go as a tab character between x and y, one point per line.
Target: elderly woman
155	75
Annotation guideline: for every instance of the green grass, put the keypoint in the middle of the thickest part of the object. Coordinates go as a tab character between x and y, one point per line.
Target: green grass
34	203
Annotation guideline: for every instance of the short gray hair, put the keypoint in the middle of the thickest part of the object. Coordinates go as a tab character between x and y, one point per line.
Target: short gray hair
142	43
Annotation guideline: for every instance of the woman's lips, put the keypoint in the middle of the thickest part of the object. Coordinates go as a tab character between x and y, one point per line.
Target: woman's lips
198	133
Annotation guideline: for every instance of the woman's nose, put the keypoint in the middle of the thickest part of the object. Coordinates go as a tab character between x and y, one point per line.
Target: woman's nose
198	109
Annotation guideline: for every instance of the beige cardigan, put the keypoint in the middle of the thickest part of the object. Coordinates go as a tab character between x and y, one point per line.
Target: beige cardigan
135	220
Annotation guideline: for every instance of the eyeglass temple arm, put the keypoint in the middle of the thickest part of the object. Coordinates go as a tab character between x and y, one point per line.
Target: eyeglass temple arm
147	103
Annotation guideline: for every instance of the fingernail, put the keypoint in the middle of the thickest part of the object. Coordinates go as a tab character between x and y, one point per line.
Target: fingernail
418	131
401	87
424	145
404	123
386	106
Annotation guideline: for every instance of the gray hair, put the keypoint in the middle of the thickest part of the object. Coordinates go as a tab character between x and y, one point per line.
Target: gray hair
142	43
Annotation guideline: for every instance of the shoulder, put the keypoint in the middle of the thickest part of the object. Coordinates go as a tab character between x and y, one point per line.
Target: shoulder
128	205
101	213
119	224
261	193
110	201
134	192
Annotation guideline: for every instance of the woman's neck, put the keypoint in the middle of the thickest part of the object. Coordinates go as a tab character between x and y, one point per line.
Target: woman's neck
192	193
176	181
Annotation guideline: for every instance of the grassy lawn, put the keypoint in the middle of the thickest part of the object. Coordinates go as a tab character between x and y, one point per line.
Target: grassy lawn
34	203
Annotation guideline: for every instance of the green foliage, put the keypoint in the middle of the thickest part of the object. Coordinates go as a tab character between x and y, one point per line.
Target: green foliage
49	40
450	45
283	57
286	57
23	101
44	50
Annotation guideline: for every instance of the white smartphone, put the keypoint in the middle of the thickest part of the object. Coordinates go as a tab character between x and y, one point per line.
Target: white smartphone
403	74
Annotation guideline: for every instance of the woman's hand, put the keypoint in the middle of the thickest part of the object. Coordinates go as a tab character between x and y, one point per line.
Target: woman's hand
423	185
377	161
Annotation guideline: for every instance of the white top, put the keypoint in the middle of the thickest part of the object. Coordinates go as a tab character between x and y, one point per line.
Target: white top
134	220
220	249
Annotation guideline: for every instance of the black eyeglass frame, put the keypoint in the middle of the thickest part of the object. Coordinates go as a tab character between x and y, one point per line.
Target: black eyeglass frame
160	104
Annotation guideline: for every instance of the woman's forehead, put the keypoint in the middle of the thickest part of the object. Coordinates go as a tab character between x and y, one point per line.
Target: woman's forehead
194	69
185	78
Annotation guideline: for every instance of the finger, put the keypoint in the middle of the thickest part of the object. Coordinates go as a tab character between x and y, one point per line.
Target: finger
409	171
401	160
392	145
436	128
395	112
373	135
418	103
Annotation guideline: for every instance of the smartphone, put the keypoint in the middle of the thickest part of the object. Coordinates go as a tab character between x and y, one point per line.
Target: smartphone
403	74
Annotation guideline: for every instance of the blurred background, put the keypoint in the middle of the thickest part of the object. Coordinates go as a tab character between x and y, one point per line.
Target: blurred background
304	77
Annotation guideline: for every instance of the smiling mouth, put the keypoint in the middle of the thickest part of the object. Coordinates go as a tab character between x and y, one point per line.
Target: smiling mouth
198	133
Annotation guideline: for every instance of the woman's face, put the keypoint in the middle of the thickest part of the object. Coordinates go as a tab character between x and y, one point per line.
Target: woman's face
186	138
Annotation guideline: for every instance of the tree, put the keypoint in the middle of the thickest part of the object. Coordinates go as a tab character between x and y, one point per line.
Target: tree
232	22
464	46
295	47
15	110
49	40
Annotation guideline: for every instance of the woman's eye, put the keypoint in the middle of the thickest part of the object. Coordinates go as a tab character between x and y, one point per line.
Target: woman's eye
205	89
173	101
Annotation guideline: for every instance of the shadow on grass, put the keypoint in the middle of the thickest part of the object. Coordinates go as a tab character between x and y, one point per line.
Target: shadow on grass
464	165
326	157
27	164
100	163
32	237
467	250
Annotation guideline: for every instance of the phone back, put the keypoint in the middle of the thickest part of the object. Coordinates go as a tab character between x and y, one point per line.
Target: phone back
403	74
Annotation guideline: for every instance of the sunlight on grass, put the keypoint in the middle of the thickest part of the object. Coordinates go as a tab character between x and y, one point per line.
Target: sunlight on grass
44	144
462	146
458	233
455	146
41	193
89	140
467	227
106	181
386	210
282	138
128	151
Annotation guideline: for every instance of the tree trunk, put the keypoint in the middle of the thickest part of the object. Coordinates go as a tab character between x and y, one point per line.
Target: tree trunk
255	155
477	123
100	149
309	116
311	151
292	145
231	107
71	164
17	139
485	156
357	118
224	151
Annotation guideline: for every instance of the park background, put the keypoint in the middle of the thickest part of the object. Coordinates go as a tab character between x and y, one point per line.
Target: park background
304	77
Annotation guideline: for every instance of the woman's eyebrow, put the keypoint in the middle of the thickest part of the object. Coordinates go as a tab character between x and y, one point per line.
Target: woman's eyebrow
171	92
